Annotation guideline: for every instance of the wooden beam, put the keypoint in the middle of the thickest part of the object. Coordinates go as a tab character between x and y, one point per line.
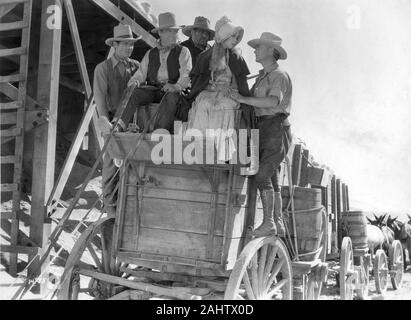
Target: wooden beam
116	12
82	65
304	168
45	136
296	165
338	197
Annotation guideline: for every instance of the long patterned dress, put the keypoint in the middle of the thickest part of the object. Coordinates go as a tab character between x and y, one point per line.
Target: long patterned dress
214	109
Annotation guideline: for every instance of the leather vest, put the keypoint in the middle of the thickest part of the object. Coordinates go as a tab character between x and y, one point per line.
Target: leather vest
173	65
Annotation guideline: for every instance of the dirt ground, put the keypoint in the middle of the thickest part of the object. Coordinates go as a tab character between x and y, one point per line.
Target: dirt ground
9	285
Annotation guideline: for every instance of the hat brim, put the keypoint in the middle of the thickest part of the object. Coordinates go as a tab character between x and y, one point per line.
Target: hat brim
255	42
155	30
187	31
110	41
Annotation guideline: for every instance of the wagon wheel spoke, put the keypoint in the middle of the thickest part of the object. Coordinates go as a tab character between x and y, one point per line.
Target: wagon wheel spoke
274	274
254	276
95	257
277	287
261	267
238	297
269	265
248	287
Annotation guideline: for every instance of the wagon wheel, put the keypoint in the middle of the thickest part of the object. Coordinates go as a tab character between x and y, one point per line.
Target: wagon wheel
91	251
347	275
362	292
313	288
396	264
262	272
381	271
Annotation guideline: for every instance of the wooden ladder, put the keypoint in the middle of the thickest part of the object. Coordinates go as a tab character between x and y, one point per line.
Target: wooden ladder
12	115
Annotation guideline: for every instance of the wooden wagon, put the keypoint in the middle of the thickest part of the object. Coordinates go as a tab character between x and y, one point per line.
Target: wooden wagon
180	231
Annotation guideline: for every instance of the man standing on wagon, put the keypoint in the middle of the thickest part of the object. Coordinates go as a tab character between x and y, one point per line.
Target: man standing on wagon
163	74
271	99
110	80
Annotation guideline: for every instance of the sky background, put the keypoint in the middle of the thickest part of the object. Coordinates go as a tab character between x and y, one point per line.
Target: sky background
350	63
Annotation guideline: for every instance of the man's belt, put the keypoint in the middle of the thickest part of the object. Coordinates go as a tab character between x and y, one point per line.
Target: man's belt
281	116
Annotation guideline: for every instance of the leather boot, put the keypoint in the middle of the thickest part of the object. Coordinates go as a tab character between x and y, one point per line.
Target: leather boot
278	214
267	228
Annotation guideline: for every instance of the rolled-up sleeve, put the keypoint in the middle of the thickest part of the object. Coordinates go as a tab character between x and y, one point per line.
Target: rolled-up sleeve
185	68
100	90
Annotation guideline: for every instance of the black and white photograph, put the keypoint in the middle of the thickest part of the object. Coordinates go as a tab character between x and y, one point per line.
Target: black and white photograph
212	150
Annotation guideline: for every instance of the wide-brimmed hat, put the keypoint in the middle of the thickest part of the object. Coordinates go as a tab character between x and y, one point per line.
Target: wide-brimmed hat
121	32
271	40
199	23
166	20
224	29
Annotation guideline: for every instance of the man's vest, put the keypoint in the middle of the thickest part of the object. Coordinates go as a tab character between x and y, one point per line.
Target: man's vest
173	65
117	83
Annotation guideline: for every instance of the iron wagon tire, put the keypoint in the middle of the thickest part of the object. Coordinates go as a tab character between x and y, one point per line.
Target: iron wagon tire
396	264
346	275
381	271
101	230
262	272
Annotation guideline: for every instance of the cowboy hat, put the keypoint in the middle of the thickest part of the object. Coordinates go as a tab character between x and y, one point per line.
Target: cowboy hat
271	40
199	23
121	33
224	29
166	20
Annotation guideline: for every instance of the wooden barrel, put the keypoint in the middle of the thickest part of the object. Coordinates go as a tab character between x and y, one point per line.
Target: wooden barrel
309	228
304	198
354	225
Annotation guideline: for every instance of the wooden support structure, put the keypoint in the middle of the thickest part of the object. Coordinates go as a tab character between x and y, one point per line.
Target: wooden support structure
339	210
45	136
304	168
296	165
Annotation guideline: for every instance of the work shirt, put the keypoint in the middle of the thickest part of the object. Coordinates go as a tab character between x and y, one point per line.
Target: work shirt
162	74
101	81
273	82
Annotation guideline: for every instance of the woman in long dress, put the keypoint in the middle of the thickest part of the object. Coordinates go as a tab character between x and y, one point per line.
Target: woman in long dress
219	71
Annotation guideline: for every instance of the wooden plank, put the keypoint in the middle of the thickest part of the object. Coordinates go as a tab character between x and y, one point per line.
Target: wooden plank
11	132
13	25
171	243
304	168
296	164
338	197
6	2
12	78
19	249
7	159
45	135
9	187
13	51
347	200
343	197
213	208
116	12
11	105
8	118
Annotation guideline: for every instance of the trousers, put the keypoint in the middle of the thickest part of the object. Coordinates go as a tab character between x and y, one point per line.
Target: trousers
274	142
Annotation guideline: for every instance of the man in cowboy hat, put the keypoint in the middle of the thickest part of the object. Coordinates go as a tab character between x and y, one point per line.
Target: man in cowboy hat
163	74
271	99
199	34
110	80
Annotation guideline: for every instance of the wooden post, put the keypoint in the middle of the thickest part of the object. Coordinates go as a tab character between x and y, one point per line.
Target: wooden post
344	198
338	190
296	166
45	135
334	211
347	204
304	168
